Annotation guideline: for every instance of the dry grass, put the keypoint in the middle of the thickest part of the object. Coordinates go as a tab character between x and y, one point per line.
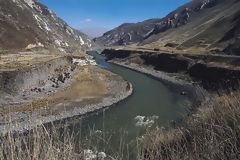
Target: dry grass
40	144
59	141
212	133
45	144
12	62
89	82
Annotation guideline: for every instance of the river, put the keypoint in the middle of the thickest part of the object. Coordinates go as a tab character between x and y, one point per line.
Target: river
152	105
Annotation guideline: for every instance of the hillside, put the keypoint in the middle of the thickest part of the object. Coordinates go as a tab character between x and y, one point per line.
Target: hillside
127	33
29	24
45	68
199	26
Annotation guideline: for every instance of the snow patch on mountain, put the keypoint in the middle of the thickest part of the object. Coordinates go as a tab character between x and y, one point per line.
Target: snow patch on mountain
81	40
30	3
46	26
57	42
38	19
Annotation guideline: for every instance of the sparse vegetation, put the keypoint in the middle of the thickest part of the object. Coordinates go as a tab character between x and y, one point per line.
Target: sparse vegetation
46	76
38	145
211	133
59	141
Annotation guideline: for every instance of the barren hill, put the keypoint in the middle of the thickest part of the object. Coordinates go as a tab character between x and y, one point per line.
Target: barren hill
28	23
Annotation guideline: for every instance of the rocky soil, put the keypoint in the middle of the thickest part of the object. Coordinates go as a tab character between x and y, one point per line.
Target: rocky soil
41	74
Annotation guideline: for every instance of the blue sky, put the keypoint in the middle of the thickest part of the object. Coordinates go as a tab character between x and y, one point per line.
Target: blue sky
107	14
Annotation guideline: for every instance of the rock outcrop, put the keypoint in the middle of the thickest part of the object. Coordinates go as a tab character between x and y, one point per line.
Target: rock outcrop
213	71
167	62
216	78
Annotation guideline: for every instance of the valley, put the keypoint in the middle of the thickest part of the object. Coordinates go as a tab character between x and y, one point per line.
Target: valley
162	88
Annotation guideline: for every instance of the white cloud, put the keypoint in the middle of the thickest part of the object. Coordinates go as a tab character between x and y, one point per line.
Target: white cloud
88	20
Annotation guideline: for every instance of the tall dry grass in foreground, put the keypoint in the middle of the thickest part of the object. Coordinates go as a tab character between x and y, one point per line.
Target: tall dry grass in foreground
213	132
60	141
39	144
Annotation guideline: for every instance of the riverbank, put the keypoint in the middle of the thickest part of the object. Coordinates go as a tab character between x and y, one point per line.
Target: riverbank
213	72
88	89
211	131
177	82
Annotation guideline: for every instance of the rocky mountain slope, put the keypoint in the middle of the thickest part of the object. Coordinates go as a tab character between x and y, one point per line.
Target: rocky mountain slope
27	24
198	26
128	33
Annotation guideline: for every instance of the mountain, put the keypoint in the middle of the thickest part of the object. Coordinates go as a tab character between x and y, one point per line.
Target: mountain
94	31
27	24
127	33
198	26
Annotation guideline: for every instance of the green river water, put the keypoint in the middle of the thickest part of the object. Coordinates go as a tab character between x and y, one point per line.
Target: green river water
152	105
